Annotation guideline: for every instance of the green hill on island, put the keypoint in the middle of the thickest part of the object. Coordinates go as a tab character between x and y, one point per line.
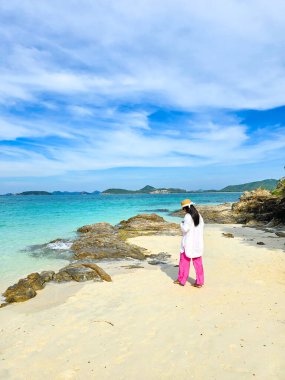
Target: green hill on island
145	190
34	193
267	184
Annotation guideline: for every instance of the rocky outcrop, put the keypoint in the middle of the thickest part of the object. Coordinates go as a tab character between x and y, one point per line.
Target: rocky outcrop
146	224
260	207
27	288
95	241
222	214
102	240
24	289
257	207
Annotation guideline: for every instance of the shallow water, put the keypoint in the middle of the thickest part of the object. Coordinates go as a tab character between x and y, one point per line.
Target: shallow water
36	220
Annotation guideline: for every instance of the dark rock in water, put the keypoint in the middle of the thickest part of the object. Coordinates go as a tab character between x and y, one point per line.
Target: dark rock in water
58	240
24	289
58	248
260	243
228	235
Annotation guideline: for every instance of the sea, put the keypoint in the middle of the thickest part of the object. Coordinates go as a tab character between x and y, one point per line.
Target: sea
29	223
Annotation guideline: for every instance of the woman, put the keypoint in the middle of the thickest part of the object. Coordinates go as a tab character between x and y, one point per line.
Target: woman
191	245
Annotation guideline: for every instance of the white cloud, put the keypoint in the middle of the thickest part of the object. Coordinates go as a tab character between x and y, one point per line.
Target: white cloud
84	61
113	147
180	53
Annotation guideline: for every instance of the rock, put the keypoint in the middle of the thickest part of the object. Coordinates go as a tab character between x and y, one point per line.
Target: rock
260	207
47	275
36	281
157	210
160	258
227	235
146	224
24	289
81	272
101	273
58	240
256	208
94	246
280	234
260	243
132	266
102	240
76	272
214	214
98	228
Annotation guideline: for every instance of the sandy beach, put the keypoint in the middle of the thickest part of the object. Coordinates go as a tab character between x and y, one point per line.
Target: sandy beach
142	326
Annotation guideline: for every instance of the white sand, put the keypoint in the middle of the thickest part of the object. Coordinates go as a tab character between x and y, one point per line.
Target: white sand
142	326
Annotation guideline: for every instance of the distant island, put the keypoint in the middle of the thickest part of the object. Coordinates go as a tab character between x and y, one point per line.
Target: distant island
145	190
267	184
53	193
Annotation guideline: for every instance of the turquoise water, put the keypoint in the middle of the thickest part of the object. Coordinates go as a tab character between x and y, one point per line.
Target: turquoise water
30	220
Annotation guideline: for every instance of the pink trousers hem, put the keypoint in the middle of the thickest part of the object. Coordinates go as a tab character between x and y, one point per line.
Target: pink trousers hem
184	267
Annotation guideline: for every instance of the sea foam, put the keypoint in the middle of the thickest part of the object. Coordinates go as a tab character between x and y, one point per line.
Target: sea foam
60	245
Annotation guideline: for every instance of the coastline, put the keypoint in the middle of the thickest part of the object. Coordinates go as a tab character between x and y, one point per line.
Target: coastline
30	221
136	325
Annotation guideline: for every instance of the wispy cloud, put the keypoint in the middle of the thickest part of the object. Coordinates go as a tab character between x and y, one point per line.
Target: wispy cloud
81	81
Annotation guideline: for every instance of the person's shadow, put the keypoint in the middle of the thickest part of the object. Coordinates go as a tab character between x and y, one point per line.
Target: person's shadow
172	271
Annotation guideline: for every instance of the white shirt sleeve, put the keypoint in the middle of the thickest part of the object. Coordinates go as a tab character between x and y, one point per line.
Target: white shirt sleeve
185	227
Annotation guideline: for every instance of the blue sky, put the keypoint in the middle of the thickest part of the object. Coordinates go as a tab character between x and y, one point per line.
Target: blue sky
98	94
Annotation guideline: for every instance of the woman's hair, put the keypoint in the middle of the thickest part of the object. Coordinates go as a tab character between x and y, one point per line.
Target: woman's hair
194	213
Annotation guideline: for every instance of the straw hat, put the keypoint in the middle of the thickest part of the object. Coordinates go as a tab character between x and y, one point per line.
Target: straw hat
186	202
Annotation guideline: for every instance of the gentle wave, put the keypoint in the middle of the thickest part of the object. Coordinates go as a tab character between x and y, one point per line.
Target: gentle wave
60	245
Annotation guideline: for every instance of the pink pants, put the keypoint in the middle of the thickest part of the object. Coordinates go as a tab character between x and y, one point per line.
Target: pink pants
184	267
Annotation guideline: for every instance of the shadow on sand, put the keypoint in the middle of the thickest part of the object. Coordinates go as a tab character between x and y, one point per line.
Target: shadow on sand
172	272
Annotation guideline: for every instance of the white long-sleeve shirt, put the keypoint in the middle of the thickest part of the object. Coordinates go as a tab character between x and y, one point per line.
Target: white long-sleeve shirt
193	240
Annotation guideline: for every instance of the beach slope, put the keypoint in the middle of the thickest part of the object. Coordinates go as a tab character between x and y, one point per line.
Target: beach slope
142	326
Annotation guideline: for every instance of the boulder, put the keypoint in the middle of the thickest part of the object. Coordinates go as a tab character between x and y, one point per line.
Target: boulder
102	240
260	207
47	275
24	289
100	272
27	288
146	224
76	272
93	246
98	228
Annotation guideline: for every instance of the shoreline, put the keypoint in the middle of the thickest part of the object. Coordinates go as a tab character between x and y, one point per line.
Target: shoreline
132	327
